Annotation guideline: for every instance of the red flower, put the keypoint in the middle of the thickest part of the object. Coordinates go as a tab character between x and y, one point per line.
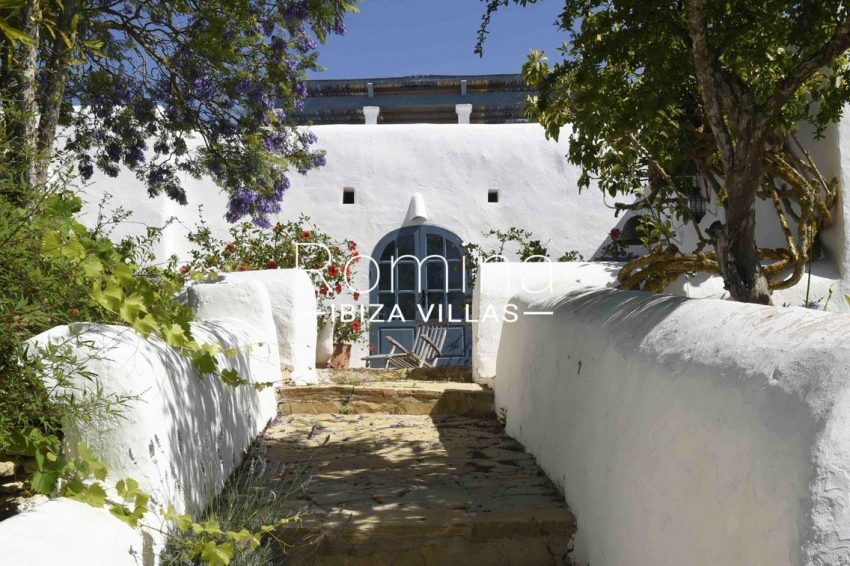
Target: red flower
230	248
323	290
306	234
348	271
356	296
242	266
615	234
355	325
352	246
271	264
184	270
338	288
333	270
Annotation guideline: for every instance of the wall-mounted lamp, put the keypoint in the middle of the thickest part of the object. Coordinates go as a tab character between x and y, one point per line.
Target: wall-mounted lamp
696	204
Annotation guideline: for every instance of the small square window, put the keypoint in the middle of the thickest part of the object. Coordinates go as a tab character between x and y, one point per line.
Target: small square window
347	195
492	195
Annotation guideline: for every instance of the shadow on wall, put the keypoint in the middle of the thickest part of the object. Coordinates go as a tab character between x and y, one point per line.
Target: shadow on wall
630	312
668	416
182	434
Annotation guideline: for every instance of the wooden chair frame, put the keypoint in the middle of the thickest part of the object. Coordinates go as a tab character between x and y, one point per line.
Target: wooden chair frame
427	348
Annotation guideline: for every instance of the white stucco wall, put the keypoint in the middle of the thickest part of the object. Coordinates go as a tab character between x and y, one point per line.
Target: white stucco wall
685	431
498	283
178	435
452	167
293	308
67	532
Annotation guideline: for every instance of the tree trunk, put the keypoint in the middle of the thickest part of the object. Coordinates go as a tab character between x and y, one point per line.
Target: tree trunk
53	91
21	106
735	242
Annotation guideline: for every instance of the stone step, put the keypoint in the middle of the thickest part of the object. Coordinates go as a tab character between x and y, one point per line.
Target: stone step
381	489
357	376
396	397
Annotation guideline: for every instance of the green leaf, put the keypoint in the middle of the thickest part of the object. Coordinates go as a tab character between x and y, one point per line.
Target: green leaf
126	488
91	266
204	362
14	35
93	465
182	522
110	297
231	377
93	495
44	481
146	326
175	336
132	308
73	249
240	537
50	244
217	554
212	527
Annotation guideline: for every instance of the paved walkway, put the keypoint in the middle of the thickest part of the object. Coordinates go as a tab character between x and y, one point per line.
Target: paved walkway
396	474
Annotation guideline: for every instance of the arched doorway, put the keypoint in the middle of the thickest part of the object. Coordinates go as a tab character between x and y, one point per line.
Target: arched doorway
420	275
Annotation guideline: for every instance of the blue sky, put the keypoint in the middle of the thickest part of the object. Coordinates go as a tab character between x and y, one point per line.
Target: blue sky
418	37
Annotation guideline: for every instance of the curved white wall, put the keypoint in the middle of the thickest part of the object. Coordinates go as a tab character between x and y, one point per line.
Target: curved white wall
683	431
178	435
498	283
293	309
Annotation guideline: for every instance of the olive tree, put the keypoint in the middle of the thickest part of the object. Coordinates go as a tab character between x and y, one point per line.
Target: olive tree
657	90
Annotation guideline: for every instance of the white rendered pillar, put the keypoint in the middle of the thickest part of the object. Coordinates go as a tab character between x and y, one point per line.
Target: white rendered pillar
371	114
463	112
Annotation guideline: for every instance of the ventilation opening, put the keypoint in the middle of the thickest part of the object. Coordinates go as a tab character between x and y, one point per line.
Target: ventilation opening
492	195
347	195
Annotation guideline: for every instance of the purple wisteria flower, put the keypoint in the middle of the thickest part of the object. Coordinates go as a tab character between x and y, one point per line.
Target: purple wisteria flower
296	11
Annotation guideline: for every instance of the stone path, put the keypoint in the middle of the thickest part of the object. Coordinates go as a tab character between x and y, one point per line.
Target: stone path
408	473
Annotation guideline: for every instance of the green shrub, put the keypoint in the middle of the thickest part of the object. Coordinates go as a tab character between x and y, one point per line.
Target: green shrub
250	247
55	271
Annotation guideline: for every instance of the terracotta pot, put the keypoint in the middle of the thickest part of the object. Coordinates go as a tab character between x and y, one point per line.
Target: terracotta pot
341	356
325	344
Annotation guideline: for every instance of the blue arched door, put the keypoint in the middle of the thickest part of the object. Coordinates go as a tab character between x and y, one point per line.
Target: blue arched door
420	276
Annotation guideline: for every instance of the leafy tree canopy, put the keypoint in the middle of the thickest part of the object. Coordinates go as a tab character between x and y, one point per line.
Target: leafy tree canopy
655	90
166	88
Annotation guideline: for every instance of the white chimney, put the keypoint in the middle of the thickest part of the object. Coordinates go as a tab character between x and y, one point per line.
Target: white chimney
463	112
371	114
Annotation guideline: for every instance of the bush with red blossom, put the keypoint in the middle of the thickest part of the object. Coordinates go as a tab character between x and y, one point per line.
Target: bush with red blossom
249	247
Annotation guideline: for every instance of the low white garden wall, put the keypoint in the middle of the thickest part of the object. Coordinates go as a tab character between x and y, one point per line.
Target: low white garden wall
180	436
293	301
683	431
499	282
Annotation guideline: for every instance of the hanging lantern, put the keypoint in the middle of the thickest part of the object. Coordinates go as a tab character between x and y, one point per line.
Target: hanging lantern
696	203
